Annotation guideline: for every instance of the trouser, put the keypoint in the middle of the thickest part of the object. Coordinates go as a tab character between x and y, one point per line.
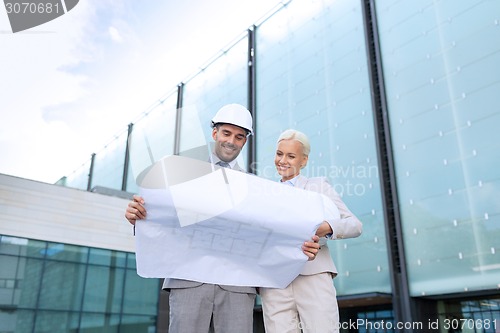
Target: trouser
309	304
192	309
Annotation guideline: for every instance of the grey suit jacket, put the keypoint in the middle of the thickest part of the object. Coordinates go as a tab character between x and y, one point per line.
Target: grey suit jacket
177	283
348	226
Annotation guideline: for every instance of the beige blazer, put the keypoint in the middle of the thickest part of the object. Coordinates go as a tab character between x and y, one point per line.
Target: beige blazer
347	226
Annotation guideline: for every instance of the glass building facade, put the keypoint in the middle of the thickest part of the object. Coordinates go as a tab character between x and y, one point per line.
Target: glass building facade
441	75
399	99
59	288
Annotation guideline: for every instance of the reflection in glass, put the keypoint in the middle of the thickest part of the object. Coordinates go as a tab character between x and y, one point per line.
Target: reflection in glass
224	81
442	77
152	138
108	164
53	292
312	76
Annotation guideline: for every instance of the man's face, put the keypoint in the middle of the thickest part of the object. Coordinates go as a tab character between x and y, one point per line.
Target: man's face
229	140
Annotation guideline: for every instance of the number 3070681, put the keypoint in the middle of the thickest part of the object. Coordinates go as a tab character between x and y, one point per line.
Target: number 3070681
469	323
32	7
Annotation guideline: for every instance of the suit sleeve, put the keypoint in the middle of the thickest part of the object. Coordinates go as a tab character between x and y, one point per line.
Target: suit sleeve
348	225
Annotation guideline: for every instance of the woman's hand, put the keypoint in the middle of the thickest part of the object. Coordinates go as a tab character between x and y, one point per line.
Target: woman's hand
311	248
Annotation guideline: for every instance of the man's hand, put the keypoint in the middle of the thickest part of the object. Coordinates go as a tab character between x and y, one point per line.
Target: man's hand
135	210
311	248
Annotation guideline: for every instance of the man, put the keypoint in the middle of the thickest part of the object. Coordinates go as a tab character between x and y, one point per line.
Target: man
193	305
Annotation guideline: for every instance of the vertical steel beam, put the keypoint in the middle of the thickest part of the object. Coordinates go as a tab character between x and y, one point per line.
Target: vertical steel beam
178	119
91	172
401	301
252	97
127	158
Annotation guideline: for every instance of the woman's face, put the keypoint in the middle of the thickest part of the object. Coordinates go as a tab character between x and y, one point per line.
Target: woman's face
289	159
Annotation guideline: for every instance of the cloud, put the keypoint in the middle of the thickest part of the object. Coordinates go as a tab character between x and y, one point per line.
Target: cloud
33	79
69	85
115	35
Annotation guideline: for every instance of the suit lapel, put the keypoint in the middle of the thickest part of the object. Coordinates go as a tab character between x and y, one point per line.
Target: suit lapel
237	167
301	182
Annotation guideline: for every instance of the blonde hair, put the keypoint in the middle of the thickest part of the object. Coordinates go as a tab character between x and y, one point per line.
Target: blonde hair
291	134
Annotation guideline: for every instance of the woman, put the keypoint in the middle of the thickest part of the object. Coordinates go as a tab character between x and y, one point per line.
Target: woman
309	302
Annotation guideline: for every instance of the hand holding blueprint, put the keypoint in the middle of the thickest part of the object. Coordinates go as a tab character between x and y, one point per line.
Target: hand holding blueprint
223	226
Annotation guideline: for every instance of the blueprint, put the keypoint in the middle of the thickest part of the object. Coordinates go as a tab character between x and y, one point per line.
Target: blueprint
223	226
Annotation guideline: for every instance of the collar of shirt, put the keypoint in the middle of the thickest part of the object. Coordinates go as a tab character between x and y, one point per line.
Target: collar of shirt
216	159
290	181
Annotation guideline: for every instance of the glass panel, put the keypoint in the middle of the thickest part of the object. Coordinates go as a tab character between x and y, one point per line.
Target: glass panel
222	82
108	164
62	286
12	245
22	247
141	296
9	267
100	256
131	260
107	257
35	249
377	321
29	277
99	323
441	70
138	324
119	259
56	322
18	321
152	138
312	76
103	289
8	280
57	251
481	315
79	178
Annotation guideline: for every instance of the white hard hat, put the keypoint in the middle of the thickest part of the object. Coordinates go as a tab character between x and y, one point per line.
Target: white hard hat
234	114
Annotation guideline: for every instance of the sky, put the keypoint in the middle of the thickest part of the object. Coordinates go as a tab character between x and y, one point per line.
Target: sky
68	86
